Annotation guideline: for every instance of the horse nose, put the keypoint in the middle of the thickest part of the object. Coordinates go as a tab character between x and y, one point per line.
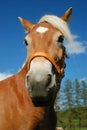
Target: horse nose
39	79
38	82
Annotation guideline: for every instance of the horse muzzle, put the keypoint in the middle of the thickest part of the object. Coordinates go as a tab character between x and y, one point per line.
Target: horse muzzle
44	101
40	82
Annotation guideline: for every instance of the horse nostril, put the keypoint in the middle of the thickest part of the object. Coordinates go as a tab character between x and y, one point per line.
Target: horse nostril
49	76
27	77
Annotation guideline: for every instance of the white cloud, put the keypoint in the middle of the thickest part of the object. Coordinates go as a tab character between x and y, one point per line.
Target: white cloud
5	75
76	47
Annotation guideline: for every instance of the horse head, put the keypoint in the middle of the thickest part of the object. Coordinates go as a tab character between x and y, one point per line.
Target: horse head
45	55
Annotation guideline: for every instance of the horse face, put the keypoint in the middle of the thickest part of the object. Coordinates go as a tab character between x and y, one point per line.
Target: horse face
41	78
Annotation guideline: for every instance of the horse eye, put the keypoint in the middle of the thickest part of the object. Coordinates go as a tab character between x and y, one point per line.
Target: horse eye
61	38
25	41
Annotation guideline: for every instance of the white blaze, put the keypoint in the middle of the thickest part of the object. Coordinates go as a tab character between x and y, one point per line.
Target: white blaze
41	29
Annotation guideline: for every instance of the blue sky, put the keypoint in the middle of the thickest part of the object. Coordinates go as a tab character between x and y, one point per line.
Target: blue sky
12	49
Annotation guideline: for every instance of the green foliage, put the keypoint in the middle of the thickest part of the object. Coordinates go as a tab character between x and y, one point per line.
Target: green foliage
77	92
84	92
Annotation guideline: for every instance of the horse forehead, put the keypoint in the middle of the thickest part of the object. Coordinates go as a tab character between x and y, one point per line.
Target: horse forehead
43	28
43	32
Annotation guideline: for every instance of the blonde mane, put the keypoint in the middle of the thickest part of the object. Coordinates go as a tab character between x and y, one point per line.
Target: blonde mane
58	23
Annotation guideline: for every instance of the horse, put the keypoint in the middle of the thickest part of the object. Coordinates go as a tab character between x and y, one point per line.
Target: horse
27	98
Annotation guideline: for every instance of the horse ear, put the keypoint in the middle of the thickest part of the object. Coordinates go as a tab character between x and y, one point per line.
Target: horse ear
67	15
27	24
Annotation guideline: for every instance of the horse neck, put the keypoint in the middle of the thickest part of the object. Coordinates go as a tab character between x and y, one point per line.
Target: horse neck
22	73
20	80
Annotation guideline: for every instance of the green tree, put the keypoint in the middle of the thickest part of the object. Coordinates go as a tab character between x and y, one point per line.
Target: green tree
84	93
84	103
78	102
68	90
68	93
77	93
